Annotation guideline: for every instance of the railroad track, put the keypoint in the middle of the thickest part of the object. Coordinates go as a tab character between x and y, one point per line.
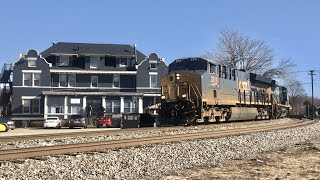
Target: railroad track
108	132
12	154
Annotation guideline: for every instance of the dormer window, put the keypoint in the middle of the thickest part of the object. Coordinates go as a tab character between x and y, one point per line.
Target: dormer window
94	62
64	61
32	63
153	65
123	62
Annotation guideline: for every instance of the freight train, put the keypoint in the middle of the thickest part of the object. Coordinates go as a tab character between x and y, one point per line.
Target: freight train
197	90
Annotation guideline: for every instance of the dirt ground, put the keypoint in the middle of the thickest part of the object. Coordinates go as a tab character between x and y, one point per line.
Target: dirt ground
302	161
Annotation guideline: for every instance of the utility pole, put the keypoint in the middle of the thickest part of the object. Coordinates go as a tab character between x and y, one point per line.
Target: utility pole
311	74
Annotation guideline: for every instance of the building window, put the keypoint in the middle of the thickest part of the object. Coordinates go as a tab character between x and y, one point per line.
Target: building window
127	106
113	106
31	104
133	107
26	103
27	79
75	109
110	61
32	63
109	107
62	80
94	81
94	62
153	81
31	79
123	62
64	60
36	105
213	68
153	66
72	80
36	79
116	81
56	109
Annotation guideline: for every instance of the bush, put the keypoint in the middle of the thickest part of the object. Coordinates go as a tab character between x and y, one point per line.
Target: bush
36	123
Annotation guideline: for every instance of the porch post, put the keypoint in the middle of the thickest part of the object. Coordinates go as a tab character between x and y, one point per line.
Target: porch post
121	105
65	107
45	107
140	104
104	105
84	104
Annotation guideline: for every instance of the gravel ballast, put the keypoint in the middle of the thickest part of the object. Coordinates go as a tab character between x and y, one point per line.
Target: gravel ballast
83	139
154	161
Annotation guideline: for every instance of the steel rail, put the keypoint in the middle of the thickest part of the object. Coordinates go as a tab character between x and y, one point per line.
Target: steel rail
121	131
11	154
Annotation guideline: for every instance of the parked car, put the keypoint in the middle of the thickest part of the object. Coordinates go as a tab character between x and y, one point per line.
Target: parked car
7	121
52	122
11	125
78	121
3	127
104	121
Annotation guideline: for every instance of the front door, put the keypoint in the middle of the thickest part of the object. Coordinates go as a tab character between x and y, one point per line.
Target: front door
94	109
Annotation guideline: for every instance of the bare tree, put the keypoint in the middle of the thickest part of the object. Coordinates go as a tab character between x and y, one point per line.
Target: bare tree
296	94
281	70
243	52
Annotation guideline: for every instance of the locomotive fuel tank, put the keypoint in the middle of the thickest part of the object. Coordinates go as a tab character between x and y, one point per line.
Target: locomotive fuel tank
243	113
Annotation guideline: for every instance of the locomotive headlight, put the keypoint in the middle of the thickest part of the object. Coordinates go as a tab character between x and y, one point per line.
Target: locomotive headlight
184	95
177	76
163	97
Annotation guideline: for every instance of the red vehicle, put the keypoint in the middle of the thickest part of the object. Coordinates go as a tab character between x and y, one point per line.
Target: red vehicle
104	121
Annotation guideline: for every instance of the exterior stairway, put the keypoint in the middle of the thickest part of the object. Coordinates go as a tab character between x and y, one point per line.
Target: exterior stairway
6	92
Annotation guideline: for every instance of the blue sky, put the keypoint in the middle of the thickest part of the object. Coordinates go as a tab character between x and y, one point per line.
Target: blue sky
173	29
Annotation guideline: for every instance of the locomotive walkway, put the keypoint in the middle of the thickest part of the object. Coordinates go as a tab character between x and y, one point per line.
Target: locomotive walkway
34	152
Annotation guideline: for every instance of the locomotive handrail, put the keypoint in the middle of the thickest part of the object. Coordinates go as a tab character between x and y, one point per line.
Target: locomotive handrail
192	85
197	90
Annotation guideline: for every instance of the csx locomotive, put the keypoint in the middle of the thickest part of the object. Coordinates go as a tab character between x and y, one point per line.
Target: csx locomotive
198	90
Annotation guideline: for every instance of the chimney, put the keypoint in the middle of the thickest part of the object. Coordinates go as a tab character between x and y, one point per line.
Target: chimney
135	53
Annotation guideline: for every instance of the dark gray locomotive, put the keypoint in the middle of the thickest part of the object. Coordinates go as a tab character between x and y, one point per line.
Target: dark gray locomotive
198	90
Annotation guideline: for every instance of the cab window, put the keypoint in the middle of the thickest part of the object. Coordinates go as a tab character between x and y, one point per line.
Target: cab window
212	68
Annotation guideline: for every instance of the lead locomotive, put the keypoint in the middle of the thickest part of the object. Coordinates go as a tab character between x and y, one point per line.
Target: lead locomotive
198	90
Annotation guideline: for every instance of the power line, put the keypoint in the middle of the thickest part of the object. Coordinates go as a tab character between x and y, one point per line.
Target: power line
301	71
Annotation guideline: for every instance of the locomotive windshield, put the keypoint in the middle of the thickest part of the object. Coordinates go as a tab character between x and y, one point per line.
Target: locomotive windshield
192	64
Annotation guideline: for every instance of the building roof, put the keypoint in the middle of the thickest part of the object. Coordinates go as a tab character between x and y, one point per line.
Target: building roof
92	49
